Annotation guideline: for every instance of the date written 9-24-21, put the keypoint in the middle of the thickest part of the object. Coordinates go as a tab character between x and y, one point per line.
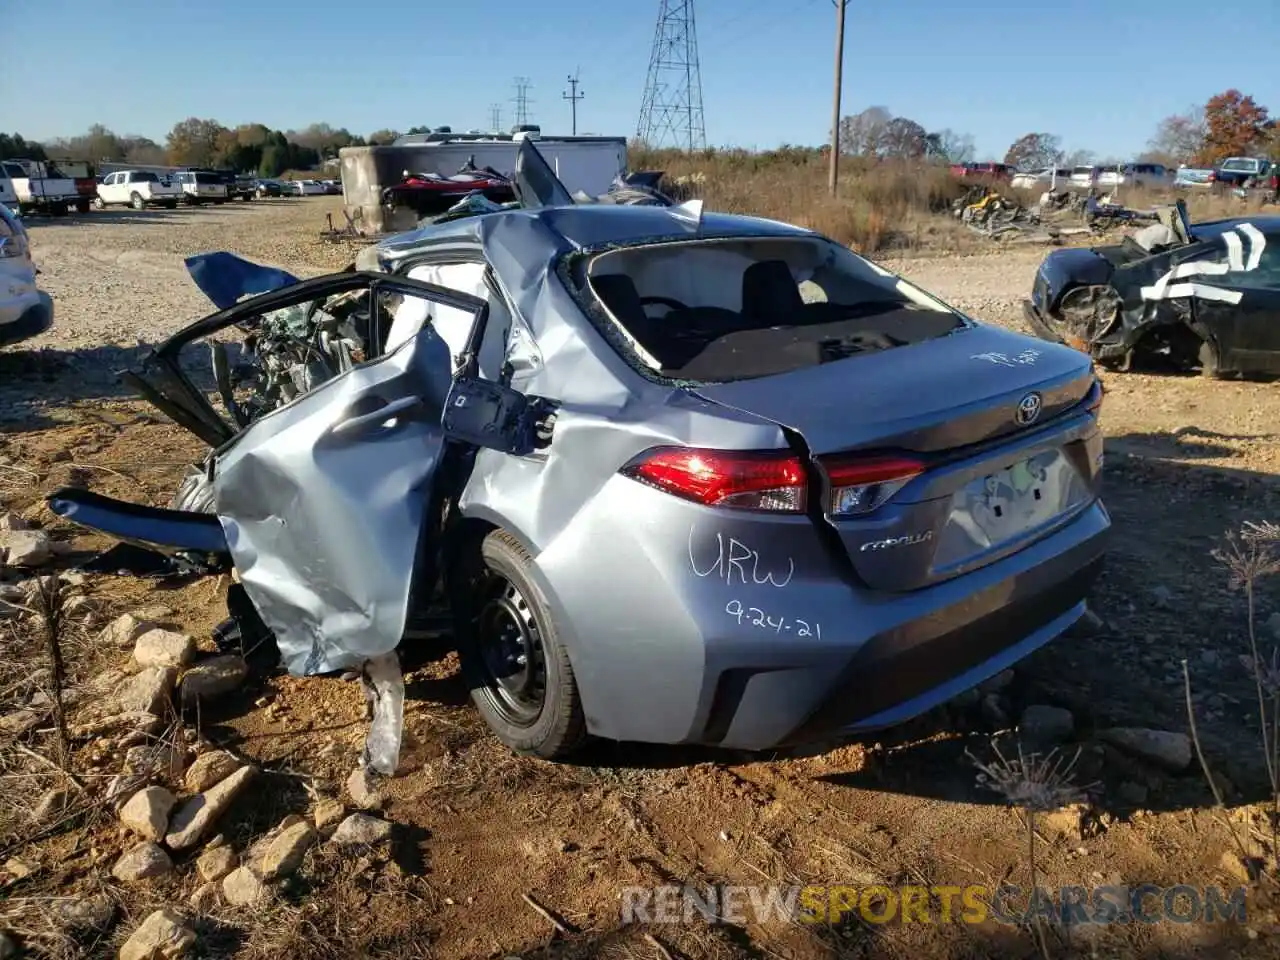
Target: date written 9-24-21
758	618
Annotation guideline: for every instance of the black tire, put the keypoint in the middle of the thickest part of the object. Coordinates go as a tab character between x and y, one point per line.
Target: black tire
503	610
59	209
171	204
136	201
82	205
99	203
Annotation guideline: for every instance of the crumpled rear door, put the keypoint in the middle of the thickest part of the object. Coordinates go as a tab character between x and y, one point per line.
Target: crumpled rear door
326	505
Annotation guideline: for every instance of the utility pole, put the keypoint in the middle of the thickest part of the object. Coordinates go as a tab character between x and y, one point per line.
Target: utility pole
495	117
573	98
522	101
833	177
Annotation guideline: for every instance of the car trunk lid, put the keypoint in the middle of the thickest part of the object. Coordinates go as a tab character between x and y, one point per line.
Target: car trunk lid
941	456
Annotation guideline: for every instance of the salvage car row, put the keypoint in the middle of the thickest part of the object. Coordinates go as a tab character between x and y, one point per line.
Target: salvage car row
43	187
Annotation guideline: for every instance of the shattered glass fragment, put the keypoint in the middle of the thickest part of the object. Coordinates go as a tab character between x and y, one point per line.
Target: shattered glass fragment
383	683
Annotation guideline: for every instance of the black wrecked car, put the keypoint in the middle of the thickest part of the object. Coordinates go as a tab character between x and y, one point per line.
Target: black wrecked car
1205	295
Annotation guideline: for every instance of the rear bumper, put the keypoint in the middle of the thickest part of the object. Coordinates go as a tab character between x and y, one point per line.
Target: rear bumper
906	671
23	319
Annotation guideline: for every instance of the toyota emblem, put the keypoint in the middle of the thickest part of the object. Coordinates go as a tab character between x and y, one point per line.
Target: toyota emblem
1028	411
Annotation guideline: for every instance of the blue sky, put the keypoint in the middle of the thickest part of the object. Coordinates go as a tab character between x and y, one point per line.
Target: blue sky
1098	74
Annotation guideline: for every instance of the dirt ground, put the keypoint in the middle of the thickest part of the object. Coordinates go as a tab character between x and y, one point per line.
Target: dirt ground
477	829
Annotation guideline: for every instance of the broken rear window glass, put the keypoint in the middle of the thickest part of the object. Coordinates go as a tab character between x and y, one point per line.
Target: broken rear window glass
723	310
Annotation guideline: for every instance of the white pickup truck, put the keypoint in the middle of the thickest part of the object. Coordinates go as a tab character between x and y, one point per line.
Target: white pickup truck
42	187
137	188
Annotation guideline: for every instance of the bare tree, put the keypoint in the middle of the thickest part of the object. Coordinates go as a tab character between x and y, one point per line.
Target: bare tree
903	138
863	133
948	145
1179	137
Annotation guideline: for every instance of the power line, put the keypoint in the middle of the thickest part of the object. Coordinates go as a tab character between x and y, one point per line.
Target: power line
671	112
573	97
833	175
522	100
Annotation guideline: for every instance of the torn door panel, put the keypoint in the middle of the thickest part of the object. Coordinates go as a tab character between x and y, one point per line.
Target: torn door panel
324	504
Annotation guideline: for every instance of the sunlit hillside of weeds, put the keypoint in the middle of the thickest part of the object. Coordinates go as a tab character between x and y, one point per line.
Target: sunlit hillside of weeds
1250	557
881	205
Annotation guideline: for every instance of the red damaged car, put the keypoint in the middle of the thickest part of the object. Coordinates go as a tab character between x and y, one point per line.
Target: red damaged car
431	193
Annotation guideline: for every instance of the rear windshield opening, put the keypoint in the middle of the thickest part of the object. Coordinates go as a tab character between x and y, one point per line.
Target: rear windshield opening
207	178
724	310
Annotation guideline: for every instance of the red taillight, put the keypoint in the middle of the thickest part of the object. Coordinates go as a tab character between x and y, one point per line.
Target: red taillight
1212	177
859	486
745	480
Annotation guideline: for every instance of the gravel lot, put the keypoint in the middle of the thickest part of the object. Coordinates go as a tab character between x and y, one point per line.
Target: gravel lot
1187	460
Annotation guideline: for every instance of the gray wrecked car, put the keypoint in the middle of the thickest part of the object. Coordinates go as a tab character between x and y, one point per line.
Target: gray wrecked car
680	477
1203	295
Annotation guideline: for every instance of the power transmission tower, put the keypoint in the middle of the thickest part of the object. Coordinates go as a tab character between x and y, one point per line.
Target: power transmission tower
522	100
671	112
495	116
833	175
573	97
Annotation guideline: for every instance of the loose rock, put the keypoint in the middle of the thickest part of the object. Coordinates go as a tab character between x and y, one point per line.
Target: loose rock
205	898
216	862
285	853
91	913
195	816
213	678
242	887
123	631
164	935
362	786
209	769
26	548
142	862
52	804
8	946
13	521
360	828
328	813
166	760
1162	747
146	692
164	648
146	813
1046	725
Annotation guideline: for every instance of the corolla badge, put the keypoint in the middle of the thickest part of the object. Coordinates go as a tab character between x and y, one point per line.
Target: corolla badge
1028	411
904	541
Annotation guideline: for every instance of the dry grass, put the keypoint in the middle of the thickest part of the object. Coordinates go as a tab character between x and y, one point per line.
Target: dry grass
881	205
888	205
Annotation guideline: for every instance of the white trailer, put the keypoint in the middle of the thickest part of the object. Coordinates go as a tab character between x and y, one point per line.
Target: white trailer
587	164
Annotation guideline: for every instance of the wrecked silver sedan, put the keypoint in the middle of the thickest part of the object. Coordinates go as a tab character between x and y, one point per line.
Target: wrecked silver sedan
680	477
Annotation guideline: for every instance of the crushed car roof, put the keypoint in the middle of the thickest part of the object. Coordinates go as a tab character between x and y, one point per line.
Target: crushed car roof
587	225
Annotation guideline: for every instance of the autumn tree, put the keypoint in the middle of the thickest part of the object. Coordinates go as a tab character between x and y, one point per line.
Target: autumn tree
1178	137
1234	124
383	137
1034	151
195	143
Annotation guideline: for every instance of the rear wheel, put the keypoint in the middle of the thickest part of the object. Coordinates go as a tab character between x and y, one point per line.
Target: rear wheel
99	203
136	201
82	205
512	656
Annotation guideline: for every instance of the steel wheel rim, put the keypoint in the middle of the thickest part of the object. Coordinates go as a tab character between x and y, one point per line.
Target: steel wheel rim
510	646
